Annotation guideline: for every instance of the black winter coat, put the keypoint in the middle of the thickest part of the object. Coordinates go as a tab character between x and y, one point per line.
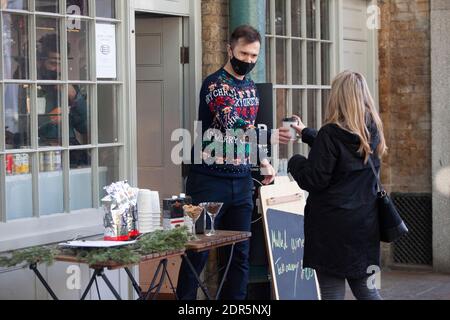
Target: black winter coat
341	225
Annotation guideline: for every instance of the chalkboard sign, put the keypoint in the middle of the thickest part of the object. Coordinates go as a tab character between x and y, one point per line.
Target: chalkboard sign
285	243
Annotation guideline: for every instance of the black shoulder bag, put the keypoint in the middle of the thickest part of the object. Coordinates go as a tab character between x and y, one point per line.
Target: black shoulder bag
392	226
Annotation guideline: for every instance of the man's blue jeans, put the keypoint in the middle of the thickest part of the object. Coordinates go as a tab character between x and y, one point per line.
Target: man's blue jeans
236	214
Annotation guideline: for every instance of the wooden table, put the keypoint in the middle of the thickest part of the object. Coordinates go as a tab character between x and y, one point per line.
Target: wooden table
99	271
206	243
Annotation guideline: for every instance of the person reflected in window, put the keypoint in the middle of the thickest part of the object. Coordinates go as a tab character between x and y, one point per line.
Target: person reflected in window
49	68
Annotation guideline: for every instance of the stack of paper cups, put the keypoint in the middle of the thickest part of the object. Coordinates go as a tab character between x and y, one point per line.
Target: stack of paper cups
149	211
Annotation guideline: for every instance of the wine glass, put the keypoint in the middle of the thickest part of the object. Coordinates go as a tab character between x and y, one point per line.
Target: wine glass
212	209
193	212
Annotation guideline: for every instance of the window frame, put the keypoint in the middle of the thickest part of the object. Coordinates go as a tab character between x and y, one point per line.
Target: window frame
48	228
318	88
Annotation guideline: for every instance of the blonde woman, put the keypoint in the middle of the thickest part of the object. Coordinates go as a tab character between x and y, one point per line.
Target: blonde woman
341	226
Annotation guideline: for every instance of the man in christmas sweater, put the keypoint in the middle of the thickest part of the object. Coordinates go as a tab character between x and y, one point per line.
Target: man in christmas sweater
229	104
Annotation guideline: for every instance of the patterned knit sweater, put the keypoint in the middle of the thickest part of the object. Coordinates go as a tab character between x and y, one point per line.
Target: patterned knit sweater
228	105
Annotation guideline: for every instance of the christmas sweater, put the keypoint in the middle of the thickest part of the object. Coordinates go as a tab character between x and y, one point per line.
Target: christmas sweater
227	105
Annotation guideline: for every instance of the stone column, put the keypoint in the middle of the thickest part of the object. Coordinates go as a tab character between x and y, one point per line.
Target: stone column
440	75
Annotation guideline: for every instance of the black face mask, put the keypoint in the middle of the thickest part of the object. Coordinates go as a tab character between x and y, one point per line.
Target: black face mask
240	67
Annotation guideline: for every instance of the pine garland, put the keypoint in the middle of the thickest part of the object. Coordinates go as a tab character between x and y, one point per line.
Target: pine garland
155	242
29	256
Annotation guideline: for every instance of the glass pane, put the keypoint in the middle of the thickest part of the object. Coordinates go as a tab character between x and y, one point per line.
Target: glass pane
311	18
326	63
78	50
79	115
268	15
108	167
51	185
14	4
15	46
281	114
17	116
297	62
312	110
47	6
296	12
49	104
80	180
19	194
325	101
280	17
269	53
311	63
77	7
281	61
297	102
325	19
105	8
48	49
107	114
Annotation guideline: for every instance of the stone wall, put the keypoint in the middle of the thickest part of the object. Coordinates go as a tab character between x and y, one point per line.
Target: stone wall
215	14
405	94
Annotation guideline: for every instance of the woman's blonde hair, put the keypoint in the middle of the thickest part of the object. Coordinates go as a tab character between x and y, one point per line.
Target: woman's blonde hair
352	107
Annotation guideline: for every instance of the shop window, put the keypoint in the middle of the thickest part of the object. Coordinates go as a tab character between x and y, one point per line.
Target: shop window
77	7
49	102
299	52
14	4
48	52
108	114
109	167
61	143
17	116
47	6
105	8
78	50
15	46
79	115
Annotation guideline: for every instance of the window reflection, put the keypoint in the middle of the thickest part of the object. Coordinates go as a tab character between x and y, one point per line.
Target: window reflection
77	7
48	49
49	104
105	8
47	6
17	116
15	46
78	41
14	4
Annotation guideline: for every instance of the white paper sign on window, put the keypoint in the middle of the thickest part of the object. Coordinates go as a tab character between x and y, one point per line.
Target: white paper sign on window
106	50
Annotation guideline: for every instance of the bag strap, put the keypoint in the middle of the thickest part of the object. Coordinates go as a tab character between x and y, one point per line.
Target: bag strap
380	185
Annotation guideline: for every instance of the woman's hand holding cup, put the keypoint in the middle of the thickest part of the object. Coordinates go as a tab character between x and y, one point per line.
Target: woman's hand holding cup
300	126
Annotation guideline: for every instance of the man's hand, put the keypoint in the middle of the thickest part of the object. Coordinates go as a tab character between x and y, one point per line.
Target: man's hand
281	136
268	172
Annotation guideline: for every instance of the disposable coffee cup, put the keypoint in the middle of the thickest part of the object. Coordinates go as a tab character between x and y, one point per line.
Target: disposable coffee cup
287	123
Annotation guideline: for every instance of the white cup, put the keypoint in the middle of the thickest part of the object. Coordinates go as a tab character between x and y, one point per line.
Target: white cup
287	123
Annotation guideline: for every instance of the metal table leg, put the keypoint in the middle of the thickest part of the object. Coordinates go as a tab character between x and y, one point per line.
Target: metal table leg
136	286
152	284
219	290
100	273
42	280
91	282
200	283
